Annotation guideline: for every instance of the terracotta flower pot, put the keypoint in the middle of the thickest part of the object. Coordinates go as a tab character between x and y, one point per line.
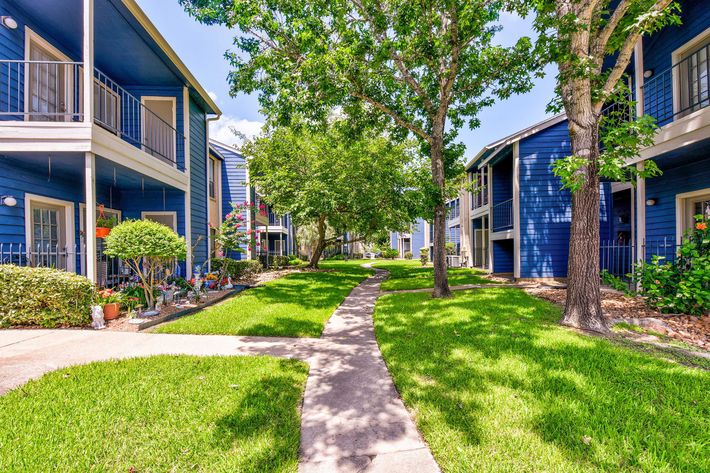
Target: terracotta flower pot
102	232
111	311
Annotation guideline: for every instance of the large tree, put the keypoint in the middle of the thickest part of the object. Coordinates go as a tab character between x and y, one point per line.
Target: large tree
419	68
330	179
592	42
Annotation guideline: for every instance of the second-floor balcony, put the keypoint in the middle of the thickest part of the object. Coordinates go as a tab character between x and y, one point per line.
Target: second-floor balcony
479	198
52	91
680	90
503	216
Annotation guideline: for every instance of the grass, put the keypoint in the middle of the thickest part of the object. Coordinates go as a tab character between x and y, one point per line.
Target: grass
163	413
495	384
410	274
297	305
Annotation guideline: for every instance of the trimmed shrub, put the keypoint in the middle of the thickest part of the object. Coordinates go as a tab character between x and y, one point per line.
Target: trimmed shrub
390	253
358	256
237	269
280	261
424	255
44	297
408	255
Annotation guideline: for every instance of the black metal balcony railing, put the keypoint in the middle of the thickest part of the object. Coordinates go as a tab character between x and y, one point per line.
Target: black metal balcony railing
53	91
503	216
679	90
45	91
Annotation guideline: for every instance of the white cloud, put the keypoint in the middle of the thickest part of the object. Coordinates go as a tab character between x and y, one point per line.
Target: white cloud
212	95
223	129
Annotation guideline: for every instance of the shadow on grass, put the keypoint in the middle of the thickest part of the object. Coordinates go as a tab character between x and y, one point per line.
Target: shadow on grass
493	369
406	275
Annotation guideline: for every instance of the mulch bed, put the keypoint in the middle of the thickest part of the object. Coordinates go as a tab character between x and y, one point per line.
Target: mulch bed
618	307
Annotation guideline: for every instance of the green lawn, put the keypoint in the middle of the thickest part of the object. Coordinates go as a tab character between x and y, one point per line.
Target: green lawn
164	413
410	274
297	305
495	384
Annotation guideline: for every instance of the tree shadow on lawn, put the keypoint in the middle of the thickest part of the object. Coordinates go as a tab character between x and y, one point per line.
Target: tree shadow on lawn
265	419
409	275
497	357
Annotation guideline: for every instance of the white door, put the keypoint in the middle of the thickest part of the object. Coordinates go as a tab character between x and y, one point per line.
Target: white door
49	93
48	242
169	219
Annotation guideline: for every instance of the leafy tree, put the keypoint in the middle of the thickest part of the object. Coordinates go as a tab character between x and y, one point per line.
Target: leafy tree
148	248
419	68
592	42
322	179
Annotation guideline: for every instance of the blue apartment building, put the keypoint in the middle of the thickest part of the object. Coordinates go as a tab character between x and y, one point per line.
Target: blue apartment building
97	112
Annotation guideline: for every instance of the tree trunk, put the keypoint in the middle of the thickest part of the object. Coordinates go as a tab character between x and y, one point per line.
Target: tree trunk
583	306
441	275
320	246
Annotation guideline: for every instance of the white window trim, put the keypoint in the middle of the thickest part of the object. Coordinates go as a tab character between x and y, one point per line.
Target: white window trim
215	177
681	201
161	213
166	98
33	37
676	58
69	228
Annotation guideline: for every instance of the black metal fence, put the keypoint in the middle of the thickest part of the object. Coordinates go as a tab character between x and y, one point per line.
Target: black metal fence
618	257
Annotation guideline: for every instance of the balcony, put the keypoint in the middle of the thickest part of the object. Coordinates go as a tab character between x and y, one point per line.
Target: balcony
503	216
479	198
52	91
680	90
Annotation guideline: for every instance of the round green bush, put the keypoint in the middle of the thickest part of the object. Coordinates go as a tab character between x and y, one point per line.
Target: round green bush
44	297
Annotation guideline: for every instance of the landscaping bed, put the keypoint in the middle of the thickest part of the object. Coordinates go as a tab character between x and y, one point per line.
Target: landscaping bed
496	384
296	305
163	413
632	311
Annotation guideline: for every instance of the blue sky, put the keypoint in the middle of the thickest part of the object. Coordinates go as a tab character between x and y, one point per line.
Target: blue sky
202	49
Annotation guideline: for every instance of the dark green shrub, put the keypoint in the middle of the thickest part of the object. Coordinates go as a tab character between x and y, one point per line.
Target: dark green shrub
450	248
424	255
236	269
408	255
358	256
390	253
280	261
44	297
614	282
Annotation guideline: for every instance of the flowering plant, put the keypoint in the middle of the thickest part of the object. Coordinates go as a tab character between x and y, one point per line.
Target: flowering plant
109	296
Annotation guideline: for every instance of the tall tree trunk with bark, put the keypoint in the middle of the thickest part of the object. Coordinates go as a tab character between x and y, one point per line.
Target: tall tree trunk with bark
320	246
441	275
583	306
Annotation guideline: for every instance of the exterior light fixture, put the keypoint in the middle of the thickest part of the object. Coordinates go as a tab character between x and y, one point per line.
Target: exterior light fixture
9	22
8	201
651	202
648	73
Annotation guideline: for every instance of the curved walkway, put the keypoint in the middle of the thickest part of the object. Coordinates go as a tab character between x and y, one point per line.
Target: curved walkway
352	417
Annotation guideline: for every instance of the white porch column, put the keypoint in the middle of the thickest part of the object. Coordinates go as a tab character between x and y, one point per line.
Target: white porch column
90	226
640	214
88	59
516	210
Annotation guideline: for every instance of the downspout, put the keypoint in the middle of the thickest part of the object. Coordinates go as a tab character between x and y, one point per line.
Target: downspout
207	197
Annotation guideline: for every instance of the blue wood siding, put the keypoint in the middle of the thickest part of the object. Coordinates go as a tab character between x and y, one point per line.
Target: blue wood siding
198	183
418	237
658	50
661	217
503	256
234	189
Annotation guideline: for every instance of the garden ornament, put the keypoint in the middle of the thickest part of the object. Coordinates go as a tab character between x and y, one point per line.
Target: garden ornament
97	317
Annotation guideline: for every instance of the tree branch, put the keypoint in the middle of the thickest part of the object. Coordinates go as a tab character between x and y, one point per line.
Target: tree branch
399	120
624	56
602	39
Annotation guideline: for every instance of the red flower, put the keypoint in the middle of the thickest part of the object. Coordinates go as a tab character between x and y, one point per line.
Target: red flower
702	226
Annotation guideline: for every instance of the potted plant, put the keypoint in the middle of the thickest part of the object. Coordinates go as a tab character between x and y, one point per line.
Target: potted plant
110	300
104	226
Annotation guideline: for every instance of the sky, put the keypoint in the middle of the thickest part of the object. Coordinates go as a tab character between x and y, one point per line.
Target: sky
202	49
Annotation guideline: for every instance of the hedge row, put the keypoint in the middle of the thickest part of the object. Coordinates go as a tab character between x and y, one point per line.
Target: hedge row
44	297
237	269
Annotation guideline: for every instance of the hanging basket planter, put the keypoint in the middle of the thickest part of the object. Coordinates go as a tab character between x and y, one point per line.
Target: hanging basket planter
102	232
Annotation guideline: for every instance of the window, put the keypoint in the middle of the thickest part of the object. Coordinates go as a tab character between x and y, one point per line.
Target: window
169	219
694	80
211	173
697	206
49	232
107	107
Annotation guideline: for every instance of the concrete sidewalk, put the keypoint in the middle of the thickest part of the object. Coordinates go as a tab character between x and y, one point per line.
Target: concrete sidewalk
352	417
